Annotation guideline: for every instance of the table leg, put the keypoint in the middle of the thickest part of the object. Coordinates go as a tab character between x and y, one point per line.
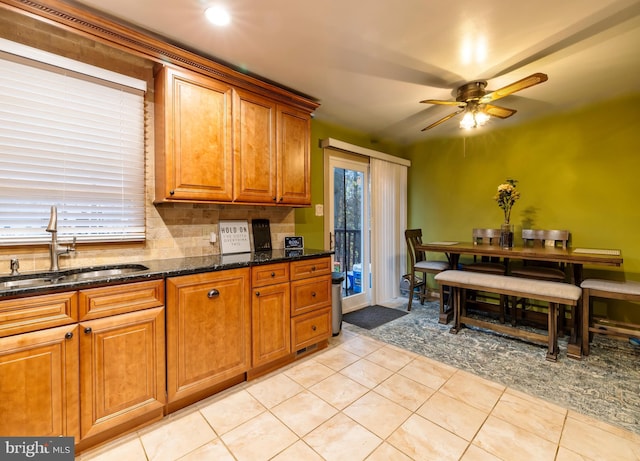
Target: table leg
577	274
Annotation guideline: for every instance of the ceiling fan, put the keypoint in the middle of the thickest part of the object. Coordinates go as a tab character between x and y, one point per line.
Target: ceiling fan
473	100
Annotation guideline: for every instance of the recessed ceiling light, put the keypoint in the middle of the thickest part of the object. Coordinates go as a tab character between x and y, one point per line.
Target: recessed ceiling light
218	15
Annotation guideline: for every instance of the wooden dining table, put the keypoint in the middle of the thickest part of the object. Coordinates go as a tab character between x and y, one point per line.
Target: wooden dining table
577	258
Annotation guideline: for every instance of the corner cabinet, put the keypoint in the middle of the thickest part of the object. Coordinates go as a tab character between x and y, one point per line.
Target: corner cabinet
220	143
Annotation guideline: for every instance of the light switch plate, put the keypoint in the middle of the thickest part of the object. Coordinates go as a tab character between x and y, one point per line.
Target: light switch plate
319	209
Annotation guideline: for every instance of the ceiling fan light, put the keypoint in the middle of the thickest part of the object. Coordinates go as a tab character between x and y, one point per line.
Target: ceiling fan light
481	118
467	121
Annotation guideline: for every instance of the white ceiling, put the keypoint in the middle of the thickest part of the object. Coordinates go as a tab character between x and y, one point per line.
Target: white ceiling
370	62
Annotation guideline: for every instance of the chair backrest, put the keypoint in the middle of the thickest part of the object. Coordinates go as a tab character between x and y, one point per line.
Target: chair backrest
486	236
541	238
413	238
490	237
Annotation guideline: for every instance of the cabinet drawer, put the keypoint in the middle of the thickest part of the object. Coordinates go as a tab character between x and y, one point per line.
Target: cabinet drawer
37	312
119	299
269	274
310	294
310	268
310	328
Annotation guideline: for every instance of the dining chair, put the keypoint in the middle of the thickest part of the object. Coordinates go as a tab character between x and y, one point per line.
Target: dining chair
486	264
420	265
542	270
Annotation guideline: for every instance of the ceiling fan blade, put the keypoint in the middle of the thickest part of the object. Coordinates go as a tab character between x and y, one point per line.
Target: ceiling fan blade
439	101
442	120
497	111
526	82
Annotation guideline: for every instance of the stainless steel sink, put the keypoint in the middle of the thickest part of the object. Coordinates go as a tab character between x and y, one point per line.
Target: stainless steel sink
71	275
102	272
24	282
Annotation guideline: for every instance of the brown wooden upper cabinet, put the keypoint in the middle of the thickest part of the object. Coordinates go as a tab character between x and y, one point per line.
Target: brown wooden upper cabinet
193	137
219	143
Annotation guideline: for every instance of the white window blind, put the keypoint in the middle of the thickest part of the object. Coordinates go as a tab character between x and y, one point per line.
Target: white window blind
70	140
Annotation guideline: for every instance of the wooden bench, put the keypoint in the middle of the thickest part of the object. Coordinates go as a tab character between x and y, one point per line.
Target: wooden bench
555	293
609	289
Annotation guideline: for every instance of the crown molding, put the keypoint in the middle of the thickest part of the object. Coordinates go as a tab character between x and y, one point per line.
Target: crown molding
141	43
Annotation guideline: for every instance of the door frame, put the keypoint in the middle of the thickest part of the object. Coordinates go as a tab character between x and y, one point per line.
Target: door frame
332	158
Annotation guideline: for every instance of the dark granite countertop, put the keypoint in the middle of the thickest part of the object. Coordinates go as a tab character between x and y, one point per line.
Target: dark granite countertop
156	269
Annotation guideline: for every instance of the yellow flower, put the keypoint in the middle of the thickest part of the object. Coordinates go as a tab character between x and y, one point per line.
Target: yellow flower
506	197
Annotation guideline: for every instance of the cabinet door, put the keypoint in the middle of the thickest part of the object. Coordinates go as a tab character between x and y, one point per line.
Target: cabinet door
271	327
254	148
122	371
208	330
294	160
193	144
39	383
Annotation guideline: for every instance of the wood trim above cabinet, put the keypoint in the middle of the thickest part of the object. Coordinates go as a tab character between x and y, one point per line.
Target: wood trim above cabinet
144	44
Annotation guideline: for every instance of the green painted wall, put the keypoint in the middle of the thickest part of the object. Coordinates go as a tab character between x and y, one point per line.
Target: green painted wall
578	171
310	226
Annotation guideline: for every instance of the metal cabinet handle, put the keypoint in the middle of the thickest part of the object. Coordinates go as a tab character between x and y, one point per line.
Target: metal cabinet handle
68	335
313	294
87	330
314	328
257	293
313	268
273	274
213	293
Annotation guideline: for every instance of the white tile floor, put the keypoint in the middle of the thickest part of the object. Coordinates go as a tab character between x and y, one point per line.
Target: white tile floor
363	399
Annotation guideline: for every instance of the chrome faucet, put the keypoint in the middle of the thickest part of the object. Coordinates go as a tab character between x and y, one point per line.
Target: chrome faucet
55	249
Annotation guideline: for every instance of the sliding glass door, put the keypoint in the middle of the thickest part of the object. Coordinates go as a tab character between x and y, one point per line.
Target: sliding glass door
348	222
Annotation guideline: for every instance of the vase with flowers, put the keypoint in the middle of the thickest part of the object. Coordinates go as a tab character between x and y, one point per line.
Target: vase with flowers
506	198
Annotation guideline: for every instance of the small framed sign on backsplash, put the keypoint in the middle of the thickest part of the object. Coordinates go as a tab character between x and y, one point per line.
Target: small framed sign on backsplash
293	243
234	237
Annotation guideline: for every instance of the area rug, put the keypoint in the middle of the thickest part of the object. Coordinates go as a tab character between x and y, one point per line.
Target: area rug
605	385
372	317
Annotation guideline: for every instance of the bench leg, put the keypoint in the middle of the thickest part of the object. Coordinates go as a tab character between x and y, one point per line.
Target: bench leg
552	353
586	320
446	309
456	304
574	347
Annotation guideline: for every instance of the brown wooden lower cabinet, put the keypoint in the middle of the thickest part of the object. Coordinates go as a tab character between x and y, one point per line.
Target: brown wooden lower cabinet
39	383
125	359
122	370
208	333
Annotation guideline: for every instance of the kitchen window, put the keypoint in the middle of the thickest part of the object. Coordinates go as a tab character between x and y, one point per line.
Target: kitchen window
71	135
